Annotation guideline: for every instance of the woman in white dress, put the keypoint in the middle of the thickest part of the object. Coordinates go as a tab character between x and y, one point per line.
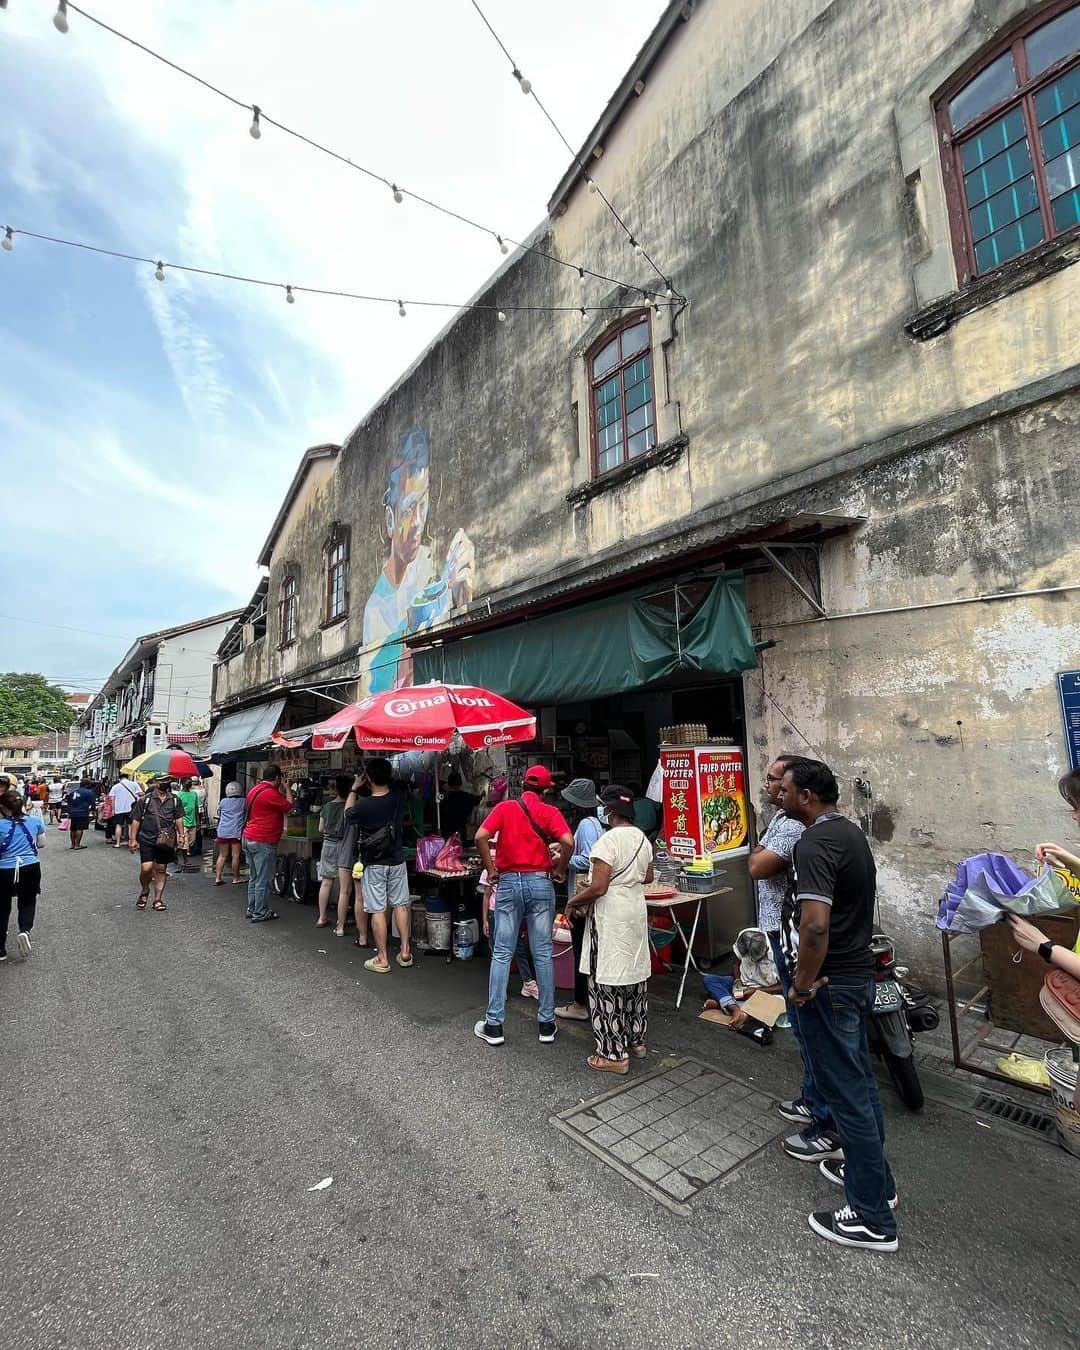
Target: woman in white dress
615	954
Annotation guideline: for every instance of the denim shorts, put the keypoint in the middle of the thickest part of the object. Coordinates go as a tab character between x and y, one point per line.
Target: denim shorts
384	884
328	859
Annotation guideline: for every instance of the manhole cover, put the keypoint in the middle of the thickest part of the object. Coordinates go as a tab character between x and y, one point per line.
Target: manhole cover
675	1131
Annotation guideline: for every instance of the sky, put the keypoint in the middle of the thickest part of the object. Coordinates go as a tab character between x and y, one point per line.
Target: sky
148	431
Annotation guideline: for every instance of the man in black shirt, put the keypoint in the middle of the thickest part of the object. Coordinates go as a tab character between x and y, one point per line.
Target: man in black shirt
456	807
377	822
827	927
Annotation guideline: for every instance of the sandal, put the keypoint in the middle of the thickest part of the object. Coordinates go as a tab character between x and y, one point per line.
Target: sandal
638	1051
569	1014
404	961
375	968
363	945
219	883
322	923
141	902
602	1065
159	905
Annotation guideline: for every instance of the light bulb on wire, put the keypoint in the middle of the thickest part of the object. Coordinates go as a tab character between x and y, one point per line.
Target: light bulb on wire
8	241
526	87
290	299
159	271
592	185
501	316
401	308
399	196
669	290
504	247
60	18
255	130
636	246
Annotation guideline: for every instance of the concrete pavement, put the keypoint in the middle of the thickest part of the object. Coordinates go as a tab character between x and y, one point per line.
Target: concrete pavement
174	1083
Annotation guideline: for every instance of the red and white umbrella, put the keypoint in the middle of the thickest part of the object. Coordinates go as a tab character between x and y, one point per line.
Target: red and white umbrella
425	717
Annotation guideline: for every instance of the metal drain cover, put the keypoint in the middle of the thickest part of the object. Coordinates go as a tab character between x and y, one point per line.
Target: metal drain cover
675	1131
1016	1113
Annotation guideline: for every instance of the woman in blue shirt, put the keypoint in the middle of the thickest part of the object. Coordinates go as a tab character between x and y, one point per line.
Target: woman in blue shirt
21	837
581	794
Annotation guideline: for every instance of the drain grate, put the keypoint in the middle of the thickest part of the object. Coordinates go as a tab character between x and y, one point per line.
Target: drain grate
1029	1118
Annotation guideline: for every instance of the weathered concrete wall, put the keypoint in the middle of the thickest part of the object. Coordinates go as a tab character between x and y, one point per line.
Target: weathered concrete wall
951	712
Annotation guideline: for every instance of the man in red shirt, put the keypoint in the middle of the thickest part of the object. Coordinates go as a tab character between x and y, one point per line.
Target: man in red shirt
268	803
533	841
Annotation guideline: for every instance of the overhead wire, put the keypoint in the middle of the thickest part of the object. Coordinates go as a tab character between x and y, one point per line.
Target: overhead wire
529	89
261	116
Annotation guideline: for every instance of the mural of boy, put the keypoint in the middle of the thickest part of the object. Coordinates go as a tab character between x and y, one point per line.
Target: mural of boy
411	593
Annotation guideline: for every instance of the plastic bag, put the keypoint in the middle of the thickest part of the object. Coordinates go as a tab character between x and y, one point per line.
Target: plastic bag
428	848
449	857
989	884
65	824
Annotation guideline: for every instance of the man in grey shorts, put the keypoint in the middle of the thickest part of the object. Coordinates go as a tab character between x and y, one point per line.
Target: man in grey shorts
377	823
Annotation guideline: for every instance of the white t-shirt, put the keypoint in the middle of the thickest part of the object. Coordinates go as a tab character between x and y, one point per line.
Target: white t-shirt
56	794
621	918
124	795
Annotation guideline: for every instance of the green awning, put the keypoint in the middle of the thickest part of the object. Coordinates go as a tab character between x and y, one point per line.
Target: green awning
608	647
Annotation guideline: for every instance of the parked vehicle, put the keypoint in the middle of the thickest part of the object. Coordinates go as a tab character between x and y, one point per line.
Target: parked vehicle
900	1010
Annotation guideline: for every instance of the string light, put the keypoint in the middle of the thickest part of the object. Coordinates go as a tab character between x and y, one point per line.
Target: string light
60	18
504	247
501	316
255	130
526	87
263	117
290	299
584	312
592	185
7	242
636	246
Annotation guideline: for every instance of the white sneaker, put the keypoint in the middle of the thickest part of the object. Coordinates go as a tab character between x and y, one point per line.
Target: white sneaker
23	946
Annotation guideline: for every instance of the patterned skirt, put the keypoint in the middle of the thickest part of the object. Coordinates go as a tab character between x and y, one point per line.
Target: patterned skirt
619	1012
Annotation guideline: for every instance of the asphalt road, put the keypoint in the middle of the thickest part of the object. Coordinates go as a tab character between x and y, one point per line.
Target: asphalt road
173	1084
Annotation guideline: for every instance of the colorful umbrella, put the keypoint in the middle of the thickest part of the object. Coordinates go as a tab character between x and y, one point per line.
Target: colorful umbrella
425	717
176	763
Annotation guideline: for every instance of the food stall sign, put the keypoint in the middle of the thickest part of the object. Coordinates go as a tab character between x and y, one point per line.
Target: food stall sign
704	800
1069	693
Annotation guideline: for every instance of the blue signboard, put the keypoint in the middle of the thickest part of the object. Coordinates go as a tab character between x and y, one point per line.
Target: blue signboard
1069	693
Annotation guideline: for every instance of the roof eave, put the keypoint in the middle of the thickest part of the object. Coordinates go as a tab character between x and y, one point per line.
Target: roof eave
316	452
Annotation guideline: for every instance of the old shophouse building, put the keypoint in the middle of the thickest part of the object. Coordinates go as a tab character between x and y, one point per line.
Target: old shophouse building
853	434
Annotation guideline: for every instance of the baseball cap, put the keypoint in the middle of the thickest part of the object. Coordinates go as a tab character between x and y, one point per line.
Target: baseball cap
160	778
618	798
538	776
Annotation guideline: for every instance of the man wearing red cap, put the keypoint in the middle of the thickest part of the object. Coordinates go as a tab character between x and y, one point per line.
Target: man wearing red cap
533	840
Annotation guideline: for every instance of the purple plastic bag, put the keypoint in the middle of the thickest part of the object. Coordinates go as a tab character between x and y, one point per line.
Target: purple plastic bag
428	848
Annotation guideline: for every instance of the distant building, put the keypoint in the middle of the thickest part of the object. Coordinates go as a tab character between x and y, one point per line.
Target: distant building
33	756
158	695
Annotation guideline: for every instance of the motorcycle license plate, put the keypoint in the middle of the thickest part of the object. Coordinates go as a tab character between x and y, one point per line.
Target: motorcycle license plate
887	997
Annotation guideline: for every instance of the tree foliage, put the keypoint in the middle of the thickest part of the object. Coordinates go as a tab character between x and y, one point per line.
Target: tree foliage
30	705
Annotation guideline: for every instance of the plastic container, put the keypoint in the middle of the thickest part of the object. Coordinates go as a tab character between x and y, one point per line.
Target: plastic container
464	939
697	883
438	930
1062	1074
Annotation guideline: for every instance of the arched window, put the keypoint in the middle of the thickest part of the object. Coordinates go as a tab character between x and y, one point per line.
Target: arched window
622	394
1010	136
288	605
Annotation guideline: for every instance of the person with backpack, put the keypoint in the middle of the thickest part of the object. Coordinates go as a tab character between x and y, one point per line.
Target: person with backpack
156	821
21	838
534	841
376	822
268	803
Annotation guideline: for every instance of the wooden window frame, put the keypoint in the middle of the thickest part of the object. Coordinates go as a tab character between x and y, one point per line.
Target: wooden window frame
289	598
951	142
595	382
339	539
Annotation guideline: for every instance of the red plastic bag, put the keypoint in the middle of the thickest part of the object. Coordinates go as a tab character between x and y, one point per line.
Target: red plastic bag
428	848
449	859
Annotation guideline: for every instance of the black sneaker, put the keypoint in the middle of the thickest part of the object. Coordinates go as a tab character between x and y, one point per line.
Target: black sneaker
796	1110
812	1145
851	1230
490	1032
548	1032
3	954
833	1169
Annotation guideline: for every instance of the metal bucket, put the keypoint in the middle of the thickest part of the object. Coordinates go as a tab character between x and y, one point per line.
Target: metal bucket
1062	1074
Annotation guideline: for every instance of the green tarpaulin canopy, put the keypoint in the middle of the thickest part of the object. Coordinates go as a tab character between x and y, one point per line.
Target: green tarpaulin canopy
608	647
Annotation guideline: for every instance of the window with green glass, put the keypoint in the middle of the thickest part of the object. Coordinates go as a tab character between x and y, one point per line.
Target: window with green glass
1012	143
623	398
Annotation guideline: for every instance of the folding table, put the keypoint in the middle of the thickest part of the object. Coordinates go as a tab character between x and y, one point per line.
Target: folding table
680	901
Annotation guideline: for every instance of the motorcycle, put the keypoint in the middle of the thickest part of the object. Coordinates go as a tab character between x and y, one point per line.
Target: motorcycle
900	1010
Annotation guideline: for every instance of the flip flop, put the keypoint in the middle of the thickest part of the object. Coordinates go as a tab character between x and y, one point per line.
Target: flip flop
141	902
159	905
375	968
404	961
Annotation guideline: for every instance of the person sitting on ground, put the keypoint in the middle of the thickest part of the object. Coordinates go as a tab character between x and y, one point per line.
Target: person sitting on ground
332	828
754	969
79	803
232	813
379	821
617	956
580	795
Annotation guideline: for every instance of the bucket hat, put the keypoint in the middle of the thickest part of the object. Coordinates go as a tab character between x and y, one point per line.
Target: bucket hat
581	792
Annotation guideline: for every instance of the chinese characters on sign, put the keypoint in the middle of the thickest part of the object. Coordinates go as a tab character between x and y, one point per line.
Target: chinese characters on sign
704	800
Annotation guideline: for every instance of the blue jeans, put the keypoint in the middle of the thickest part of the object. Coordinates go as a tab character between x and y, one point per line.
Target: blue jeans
260	861
721	988
833	1026
529	896
810	1095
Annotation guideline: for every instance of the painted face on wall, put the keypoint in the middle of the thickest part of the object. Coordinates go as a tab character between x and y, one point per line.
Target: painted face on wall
406	516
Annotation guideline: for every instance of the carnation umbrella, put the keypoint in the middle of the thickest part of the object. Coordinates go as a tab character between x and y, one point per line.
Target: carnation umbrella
426	717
